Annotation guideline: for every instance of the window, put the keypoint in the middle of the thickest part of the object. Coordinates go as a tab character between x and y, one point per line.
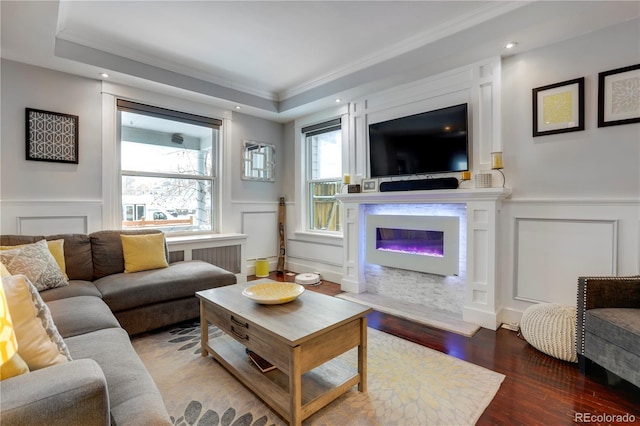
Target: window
167	168
324	175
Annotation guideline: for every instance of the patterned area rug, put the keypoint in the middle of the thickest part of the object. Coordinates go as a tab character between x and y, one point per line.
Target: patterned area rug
408	384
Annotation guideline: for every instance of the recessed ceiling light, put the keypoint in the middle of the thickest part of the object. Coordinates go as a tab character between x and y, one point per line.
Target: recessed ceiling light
104	75
510	45
237	106
338	100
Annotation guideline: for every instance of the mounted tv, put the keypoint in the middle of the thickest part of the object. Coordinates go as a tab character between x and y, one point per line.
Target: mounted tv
426	143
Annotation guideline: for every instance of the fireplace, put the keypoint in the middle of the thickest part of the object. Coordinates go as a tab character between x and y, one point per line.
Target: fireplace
425	243
477	229
418	243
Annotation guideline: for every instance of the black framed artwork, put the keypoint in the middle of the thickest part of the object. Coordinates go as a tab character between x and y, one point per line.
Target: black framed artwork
51	136
558	108
619	96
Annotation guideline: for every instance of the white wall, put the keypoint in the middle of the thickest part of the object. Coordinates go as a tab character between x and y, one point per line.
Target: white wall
575	207
577	194
254	204
33	87
70	196
38	188
596	162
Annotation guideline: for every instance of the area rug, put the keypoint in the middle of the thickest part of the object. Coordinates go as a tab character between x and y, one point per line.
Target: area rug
408	384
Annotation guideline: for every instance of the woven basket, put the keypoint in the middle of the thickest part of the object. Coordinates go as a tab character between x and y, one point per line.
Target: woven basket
551	329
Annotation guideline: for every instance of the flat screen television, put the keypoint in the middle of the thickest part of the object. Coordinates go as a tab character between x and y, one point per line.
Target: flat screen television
426	143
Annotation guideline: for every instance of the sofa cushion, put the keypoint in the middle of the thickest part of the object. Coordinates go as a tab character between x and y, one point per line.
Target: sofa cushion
620	326
39	342
15	366
56	247
16	240
133	396
73	393
613	358
77	255
82	314
143	252
179	280
106	247
75	288
4	272
36	262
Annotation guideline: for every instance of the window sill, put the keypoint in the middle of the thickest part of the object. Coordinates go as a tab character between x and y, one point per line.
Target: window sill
200	238
319	237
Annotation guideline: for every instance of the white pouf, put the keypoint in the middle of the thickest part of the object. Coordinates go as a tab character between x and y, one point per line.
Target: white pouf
551	329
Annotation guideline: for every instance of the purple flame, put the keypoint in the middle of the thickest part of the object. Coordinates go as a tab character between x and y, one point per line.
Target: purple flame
424	243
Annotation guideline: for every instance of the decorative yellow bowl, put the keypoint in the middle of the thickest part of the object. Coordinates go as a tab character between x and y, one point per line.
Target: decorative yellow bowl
273	293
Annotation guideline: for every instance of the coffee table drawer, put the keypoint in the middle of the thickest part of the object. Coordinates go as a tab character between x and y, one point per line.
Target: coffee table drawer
250	335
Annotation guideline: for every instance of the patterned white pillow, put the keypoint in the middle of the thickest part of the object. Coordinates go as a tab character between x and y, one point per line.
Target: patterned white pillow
36	262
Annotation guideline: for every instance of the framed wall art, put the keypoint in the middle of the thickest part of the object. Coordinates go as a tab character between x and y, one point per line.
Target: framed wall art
369	185
619	96
558	108
258	161
51	136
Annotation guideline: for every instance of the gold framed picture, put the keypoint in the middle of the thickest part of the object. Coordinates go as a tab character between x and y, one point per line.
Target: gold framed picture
558	108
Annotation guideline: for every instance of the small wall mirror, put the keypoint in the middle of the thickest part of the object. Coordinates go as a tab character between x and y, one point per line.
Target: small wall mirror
258	161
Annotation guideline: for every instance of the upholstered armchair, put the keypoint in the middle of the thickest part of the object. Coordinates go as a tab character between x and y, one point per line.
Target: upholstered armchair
608	325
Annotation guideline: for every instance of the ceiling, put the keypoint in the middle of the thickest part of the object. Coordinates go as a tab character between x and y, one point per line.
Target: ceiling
284	59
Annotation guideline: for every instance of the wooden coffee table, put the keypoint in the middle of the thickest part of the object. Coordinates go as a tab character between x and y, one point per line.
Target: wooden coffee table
301	338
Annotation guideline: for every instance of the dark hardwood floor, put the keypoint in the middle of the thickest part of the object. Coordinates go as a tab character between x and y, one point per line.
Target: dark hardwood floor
537	389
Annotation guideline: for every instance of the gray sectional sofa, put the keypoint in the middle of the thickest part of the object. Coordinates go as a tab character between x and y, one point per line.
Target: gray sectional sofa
608	325
106	383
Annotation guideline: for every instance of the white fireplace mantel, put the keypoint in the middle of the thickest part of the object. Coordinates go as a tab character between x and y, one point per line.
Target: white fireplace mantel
482	205
436	196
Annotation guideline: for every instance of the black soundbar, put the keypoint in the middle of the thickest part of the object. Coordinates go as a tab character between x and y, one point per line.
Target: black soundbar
419	184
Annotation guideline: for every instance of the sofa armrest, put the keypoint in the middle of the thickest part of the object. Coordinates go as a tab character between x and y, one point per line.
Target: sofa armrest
73	393
604	292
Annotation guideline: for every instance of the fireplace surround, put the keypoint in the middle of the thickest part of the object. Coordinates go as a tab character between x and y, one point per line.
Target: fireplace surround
481	299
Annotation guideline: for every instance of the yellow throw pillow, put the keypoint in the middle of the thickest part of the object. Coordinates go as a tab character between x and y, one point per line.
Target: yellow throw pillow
4	272
143	252
14	367
56	247
39	342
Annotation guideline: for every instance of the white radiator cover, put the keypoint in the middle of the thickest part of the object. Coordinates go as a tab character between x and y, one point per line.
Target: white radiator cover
446	265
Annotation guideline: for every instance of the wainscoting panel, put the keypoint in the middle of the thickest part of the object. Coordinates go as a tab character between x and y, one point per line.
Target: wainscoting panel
480	247
43	225
314	252
50	217
550	254
261	229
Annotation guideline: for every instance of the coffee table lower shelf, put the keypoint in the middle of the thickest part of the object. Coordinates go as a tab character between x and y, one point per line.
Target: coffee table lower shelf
320	386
